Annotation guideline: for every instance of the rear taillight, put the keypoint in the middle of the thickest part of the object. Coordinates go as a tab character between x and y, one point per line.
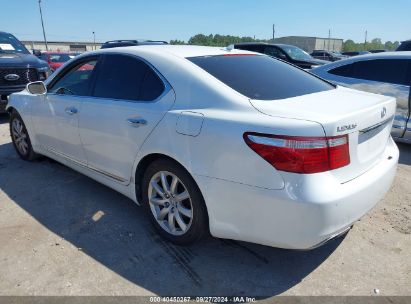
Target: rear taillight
301	154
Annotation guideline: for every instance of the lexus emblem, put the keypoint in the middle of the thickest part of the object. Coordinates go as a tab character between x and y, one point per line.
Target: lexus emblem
383	112
12	77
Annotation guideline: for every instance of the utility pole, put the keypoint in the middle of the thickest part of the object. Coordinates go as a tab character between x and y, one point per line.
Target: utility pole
42	25
94	40
365	41
329	39
273	32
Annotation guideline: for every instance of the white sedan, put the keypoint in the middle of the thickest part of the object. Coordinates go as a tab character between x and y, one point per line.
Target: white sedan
216	140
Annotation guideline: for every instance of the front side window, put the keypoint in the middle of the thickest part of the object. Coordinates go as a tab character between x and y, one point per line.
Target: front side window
261	77
128	78
76	81
296	53
395	71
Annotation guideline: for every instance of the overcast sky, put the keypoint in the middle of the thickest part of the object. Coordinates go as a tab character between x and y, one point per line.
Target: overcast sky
72	20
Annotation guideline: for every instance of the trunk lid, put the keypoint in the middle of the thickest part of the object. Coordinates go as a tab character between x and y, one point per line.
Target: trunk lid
366	118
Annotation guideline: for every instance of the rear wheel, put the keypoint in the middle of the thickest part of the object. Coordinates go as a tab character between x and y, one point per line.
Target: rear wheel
20	138
173	202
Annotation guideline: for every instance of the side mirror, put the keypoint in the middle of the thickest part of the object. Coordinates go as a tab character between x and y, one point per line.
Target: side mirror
36	53
36	88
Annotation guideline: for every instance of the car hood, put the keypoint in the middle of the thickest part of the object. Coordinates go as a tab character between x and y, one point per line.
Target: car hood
20	60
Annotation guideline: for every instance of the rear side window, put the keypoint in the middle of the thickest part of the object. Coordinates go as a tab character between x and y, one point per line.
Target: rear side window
261	77
128	78
344	70
395	71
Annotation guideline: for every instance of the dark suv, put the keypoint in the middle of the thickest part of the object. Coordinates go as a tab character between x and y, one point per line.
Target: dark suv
17	67
121	43
404	46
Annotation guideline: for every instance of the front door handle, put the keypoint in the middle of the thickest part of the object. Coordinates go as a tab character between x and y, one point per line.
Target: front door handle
71	110
136	122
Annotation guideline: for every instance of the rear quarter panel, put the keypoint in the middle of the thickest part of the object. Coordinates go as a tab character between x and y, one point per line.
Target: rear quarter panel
219	151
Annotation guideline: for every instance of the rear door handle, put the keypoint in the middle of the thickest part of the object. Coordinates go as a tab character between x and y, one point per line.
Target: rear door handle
136	122
71	110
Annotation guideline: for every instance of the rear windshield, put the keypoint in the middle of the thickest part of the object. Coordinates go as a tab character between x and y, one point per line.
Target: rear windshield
261	77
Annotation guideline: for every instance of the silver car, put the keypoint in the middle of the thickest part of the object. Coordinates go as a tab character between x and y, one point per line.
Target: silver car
383	73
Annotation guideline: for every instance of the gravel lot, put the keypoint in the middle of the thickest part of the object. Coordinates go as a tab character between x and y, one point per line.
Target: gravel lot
61	233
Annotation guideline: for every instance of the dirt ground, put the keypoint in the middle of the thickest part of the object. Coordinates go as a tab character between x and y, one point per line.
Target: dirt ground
61	233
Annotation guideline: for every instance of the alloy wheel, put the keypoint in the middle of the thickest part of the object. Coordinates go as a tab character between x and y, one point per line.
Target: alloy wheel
19	136
170	203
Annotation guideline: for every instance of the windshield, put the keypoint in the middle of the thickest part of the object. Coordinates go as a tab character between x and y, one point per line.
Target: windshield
10	44
296	53
261	77
60	57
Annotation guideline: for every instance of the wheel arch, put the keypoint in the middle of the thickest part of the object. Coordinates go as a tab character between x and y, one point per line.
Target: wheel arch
10	109
143	165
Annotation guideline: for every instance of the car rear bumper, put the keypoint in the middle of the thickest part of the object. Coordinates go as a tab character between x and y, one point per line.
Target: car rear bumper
309	211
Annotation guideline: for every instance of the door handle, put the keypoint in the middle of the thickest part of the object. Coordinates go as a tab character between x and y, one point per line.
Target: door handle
71	110
136	122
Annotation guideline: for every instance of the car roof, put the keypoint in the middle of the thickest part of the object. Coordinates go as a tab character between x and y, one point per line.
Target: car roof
182	51
125	42
384	55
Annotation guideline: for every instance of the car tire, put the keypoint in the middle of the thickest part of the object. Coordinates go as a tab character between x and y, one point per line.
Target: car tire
179	213
20	138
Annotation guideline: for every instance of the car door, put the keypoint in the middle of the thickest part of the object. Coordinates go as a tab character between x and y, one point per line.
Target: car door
389	77
56	116
129	99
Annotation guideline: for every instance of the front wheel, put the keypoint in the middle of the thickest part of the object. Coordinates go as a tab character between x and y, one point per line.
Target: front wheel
20	138
174	203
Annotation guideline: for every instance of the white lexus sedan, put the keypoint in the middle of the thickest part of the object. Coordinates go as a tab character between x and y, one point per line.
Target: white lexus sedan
230	142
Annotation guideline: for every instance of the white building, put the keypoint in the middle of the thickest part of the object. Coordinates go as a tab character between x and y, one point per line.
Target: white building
309	44
62	46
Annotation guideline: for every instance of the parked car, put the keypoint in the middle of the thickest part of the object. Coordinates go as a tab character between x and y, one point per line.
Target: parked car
122	43
377	51
327	55
404	46
351	54
384	73
209	139
56	59
289	53
17	67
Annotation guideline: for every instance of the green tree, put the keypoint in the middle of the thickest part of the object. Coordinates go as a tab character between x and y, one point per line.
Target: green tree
176	41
